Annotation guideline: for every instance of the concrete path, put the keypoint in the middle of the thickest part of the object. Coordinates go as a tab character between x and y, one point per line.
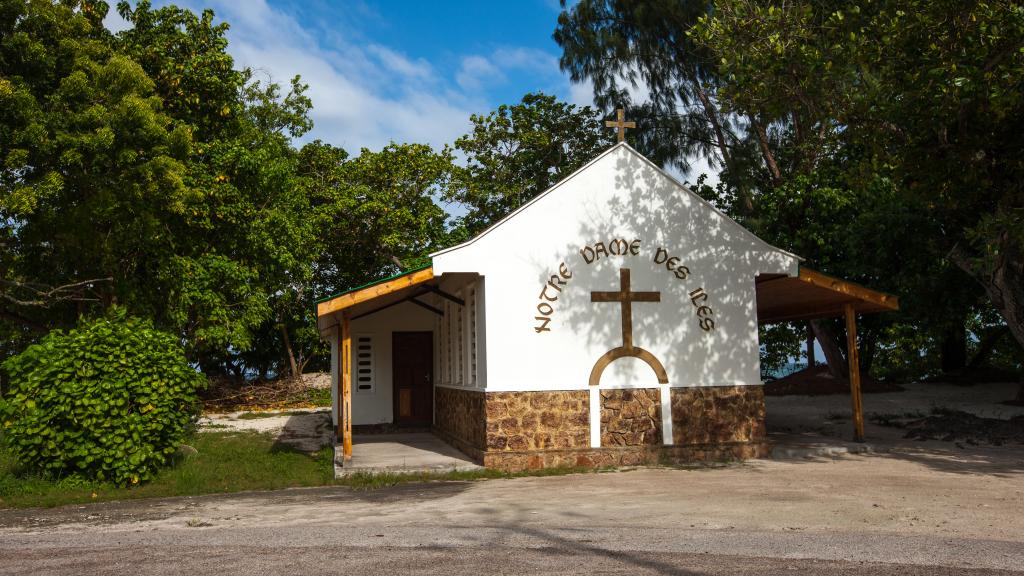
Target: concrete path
402	453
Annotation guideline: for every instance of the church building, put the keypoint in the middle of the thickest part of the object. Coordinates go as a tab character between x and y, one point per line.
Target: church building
612	320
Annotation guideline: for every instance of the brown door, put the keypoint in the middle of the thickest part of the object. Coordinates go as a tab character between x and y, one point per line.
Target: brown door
412	368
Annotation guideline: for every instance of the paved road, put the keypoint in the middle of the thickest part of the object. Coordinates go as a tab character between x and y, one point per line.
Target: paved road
857	515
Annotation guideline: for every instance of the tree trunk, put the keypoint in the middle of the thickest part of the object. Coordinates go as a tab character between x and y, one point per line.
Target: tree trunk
831	346
810	346
766	152
987	345
1003	281
954	349
288	350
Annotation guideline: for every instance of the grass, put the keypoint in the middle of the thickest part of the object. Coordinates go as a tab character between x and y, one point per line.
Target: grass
226	462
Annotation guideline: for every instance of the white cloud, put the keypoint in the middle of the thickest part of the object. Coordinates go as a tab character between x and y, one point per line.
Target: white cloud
476	71
364	94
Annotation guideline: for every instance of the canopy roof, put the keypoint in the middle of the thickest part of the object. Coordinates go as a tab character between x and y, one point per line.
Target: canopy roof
812	295
780	298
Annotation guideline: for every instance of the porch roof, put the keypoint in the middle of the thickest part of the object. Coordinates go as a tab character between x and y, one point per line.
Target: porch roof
409	286
811	295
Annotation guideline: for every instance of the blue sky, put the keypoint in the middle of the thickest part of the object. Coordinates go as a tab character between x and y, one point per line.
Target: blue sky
397	70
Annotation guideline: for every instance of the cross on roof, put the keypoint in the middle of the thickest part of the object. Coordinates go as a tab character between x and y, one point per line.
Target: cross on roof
626	298
620	124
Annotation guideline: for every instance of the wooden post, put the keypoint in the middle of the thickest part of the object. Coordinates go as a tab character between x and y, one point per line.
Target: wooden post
345	364
853	359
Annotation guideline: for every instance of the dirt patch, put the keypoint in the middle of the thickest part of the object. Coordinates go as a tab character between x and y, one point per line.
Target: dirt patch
305	430
816	381
957	426
310	391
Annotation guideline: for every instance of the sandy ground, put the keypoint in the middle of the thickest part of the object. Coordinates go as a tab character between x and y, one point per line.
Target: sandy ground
876	512
904	507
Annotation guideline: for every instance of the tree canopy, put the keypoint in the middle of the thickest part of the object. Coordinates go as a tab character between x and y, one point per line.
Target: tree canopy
879	140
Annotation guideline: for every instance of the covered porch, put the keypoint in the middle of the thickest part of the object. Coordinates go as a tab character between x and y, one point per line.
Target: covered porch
812	295
392	342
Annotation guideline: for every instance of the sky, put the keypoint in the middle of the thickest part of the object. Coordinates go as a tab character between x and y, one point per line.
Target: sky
400	70
403	71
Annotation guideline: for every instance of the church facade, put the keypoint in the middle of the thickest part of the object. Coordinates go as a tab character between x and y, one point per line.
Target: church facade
612	320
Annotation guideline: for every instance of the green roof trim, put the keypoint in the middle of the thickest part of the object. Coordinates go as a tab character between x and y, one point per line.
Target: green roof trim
375	282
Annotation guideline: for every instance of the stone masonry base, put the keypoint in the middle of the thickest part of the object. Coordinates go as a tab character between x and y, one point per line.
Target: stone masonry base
514	431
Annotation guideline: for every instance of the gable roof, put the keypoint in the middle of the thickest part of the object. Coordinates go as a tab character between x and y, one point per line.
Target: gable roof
584	168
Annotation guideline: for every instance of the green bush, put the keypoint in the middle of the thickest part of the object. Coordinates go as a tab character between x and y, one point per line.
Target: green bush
109	401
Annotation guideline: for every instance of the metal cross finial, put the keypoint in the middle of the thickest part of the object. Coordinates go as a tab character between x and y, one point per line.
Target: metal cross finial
620	124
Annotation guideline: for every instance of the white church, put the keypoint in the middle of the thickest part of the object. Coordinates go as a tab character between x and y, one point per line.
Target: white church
612	320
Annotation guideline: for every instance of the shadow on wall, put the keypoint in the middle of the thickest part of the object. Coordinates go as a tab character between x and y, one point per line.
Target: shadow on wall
703	326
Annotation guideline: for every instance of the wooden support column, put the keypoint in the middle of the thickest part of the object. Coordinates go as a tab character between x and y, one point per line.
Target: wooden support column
345	423
853	359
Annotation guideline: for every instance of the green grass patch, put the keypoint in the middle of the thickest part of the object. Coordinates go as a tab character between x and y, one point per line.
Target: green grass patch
226	462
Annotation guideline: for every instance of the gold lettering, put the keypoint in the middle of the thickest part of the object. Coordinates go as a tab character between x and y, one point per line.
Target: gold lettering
543	327
563	270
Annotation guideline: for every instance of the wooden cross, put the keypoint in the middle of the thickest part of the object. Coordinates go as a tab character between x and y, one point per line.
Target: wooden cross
626	298
620	124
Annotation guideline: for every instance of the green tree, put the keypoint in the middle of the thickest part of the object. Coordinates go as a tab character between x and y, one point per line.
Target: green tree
929	92
144	169
518	151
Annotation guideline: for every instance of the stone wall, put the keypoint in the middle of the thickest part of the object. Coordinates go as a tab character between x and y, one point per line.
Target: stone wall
528	430
528	421
631	417
712	416
622	456
460	418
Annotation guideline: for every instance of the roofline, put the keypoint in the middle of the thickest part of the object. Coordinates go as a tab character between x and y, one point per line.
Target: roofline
528	204
587	165
373	290
373	283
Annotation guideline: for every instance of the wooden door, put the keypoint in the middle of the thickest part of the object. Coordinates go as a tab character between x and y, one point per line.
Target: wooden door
412	369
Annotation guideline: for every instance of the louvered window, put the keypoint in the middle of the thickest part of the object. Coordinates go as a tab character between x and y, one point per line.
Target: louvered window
471	302
364	377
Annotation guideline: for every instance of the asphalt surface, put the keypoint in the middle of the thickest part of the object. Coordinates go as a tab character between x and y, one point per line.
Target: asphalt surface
856	515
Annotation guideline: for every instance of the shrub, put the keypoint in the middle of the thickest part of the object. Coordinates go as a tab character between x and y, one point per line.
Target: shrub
110	400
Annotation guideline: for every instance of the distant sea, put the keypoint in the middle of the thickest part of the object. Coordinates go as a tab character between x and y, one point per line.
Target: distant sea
788	369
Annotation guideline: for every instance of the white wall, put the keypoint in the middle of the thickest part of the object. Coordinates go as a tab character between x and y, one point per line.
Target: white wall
619	196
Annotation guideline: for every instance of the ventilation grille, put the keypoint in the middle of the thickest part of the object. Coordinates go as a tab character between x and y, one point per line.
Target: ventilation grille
364	373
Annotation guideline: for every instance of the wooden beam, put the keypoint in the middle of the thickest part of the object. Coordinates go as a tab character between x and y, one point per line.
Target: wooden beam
345	424
853	359
421	304
384	307
370	292
849	288
446	295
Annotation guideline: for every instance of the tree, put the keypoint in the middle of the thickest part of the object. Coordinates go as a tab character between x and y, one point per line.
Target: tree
145	158
518	151
929	91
